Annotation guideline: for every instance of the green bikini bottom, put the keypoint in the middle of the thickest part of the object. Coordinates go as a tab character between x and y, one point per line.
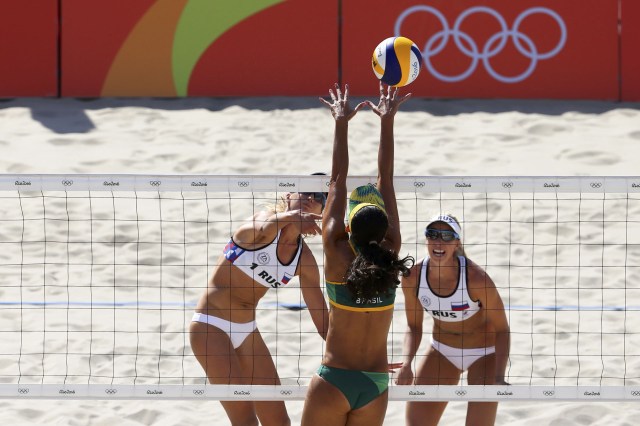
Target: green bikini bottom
359	387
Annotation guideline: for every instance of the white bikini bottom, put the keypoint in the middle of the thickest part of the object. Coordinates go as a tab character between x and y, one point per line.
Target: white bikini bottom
237	332
461	358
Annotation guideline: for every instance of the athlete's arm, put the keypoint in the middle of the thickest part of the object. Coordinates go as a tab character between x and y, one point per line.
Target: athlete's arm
386	110
413	335
333	216
312	293
265	226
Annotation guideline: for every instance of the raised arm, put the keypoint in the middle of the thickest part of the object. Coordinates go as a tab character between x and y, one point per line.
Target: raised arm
333	217
386	109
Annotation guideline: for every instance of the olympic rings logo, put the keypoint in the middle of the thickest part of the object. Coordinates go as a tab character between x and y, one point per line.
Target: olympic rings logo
461	392
111	391
596	184
507	185
418	184
155	183
286	392
635	393
548	393
198	391
23	391
243	183
494	45
67	182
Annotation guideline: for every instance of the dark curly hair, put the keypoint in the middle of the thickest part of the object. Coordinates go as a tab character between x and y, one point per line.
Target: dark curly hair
375	269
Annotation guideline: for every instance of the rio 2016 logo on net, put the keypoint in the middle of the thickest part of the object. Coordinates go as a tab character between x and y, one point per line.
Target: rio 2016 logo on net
465	43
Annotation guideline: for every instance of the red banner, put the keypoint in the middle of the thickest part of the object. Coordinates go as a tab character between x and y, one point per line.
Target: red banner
630	50
29	48
491	48
92	34
196	48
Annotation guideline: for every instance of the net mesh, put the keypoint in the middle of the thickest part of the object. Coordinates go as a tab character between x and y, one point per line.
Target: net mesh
99	276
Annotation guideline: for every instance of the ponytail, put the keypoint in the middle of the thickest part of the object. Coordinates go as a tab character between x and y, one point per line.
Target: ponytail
375	271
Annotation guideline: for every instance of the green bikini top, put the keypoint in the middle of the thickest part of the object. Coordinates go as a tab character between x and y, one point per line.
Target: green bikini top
340	297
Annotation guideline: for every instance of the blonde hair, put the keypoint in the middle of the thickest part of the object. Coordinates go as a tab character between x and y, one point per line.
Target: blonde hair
460	249
278	207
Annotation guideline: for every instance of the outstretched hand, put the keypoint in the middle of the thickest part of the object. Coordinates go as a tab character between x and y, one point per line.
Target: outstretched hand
389	102
339	105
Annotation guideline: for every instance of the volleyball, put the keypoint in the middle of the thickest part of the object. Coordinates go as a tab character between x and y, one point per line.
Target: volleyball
396	61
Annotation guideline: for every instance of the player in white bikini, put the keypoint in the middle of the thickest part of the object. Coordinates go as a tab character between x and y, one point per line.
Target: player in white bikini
470	328
264	253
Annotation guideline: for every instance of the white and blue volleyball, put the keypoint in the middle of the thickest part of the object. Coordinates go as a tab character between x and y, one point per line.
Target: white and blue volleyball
396	61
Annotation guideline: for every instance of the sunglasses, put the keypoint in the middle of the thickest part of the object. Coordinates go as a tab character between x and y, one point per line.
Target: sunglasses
317	196
446	236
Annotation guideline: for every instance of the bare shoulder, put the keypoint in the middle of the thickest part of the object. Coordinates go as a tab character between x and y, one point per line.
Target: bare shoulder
335	241
337	260
477	277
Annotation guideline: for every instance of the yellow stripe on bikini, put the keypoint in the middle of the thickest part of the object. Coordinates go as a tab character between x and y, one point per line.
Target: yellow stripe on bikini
354	309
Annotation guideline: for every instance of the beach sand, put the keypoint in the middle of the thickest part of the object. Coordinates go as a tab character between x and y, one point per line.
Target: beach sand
294	136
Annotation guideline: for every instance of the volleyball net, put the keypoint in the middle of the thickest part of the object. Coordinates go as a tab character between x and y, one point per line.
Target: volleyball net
99	276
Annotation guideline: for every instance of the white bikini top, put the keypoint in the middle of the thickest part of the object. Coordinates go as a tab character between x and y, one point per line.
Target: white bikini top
458	306
262	264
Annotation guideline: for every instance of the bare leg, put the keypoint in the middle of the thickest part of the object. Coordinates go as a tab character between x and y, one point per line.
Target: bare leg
434	370
482	372
214	351
257	363
324	404
371	414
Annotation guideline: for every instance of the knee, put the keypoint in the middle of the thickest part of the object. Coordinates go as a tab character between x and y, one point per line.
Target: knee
413	415
241	414
246	422
281	420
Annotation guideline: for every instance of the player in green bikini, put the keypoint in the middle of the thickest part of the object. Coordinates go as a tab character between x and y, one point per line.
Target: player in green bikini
362	271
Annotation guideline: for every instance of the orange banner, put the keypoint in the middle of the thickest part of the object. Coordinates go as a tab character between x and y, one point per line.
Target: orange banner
491	48
28	48
198	48
630	50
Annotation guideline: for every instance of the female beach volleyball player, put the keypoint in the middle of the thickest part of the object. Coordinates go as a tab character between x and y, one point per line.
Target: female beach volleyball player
264	253
470	328
362	272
